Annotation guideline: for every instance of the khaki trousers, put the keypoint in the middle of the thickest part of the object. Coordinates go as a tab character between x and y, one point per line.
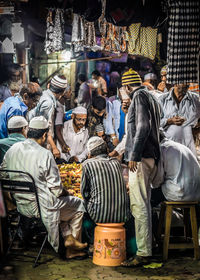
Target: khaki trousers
140	195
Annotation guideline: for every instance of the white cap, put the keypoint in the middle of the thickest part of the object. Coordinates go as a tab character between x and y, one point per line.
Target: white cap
17	122
150	76
59	82
94	142
80	110
38	123
99	128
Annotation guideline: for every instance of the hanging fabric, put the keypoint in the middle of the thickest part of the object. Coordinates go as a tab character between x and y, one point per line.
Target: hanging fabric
113	38
183	42
49	33
78	34
83	35
90	37
58	32
142	40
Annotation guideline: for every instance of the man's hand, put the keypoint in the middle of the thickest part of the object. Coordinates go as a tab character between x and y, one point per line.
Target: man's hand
127	188
175	120
114	153
65	148
56	152
115	141
71	192
73	159
132	165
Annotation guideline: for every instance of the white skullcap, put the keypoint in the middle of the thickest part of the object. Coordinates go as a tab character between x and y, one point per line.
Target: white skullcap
17	122
94	142
38	123
99	128
80	110
59	82
150	76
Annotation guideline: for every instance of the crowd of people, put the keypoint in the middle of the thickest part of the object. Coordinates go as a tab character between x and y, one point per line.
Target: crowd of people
149	126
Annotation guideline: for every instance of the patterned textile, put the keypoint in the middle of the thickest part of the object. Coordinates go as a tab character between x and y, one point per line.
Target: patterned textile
104	191
49	33
78	33
142	40
58	32
113	38
183	41
55	40
131	77
83	34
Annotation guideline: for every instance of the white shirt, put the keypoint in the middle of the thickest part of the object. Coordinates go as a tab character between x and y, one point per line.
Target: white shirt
189	108
29	156
75	140
46	107
178	172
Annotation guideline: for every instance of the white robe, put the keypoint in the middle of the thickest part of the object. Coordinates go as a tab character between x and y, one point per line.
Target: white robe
29	156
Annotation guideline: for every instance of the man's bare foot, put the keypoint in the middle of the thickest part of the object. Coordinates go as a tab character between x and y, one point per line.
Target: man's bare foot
70	241
71	253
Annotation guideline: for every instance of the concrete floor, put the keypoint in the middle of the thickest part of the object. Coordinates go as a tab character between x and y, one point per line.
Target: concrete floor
180	266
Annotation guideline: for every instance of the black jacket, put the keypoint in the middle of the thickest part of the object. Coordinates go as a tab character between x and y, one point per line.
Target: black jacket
143	127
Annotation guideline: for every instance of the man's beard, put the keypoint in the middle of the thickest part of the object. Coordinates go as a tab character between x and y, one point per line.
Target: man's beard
15	86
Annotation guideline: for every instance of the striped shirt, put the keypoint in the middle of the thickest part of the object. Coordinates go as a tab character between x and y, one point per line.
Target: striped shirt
104	191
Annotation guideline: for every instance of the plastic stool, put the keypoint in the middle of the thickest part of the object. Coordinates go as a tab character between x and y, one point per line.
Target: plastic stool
189	216
109	244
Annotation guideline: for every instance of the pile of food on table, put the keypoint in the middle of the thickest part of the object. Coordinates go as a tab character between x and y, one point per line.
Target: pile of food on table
71	177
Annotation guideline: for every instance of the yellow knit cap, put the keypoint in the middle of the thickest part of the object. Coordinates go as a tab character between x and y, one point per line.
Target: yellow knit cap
131	77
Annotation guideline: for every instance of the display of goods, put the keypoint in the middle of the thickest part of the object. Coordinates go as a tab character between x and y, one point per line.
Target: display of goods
71	177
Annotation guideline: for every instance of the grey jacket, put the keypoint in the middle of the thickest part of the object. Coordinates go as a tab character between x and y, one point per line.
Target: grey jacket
143	127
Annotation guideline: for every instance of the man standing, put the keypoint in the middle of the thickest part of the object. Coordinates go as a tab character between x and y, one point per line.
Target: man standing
180	114
12	82
120	148
19	105
163	86
56	208
102	185
142	154
96	114
59	119
84	98
16	132
75	136
47	107
99	83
